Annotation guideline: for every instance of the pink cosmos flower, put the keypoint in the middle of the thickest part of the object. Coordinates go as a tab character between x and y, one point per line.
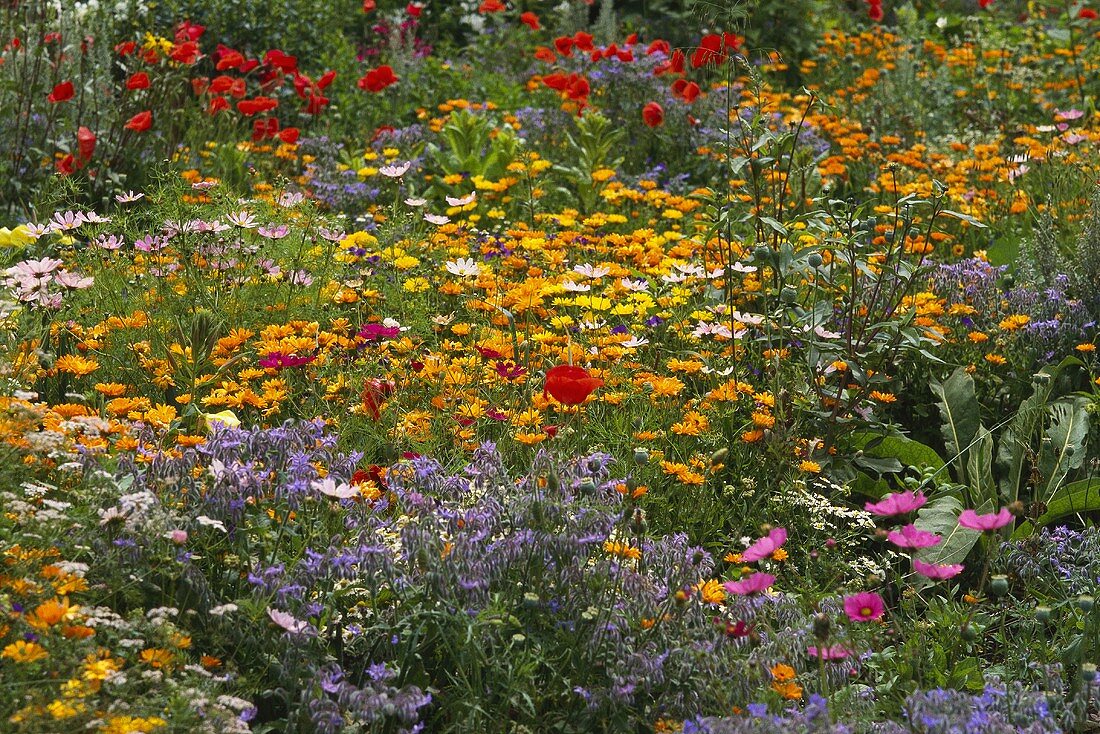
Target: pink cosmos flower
755	583
866	606
937	572
898	503
288	622
764	547
985	523
911	537
832	652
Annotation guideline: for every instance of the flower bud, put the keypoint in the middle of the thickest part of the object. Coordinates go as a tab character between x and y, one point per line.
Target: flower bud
719	456
969	632
1088	672
641	456
1017	508
1042	613
823	626
998	585
815	260
1085	603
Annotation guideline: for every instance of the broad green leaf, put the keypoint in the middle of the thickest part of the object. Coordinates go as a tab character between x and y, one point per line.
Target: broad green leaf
979	469
1067	432
906	450
961	420
1081	496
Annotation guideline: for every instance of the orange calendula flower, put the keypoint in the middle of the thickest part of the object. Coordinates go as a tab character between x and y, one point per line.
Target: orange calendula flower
24	652
76	365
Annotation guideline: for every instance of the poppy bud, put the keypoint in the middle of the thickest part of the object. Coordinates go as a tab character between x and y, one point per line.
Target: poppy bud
815	260
587	486
998	585
823	626
1088	672
1085	603
719	456
641	456
1042	613
969	632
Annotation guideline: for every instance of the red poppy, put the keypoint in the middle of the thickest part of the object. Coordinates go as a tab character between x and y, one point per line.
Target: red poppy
263	129
369	5
139	80
217	104
1087	14
140	122
61	93
983	4
126	48
544	53
188	31
221	84
289	135
85	143
375	391
709	51
530	20
658	46
249	107
491	6
378	79
414	9
66	166
875	13
564	45
282	61
583	41
230	59
315	104
186	53
653	115
685	90
570	385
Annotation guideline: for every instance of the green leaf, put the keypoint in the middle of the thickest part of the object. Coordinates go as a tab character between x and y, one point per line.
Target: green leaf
979	469
941	516
964	217
961	419
1067	432
1081	496
906	450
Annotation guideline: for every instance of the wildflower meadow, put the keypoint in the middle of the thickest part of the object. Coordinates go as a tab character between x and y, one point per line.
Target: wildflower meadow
549	366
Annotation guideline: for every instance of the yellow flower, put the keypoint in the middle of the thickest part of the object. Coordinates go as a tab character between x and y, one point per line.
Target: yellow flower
24	652
782	673
1085	347
623	550
156	657
711	591
1014	322
883	397
51	612
811	467
15	238
77	365
226	418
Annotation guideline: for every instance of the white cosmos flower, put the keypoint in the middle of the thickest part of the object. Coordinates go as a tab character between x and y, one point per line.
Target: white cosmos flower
288	622
243	219
464	267
416	201
330	488
395	170
742	268
638	286
436	219
469	199
573	287
595	272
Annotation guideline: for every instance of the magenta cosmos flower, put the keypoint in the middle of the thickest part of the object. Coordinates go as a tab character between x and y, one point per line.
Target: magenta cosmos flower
898	503
754	584
866	606
985	523
937	572
832	652
912	537
764	547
